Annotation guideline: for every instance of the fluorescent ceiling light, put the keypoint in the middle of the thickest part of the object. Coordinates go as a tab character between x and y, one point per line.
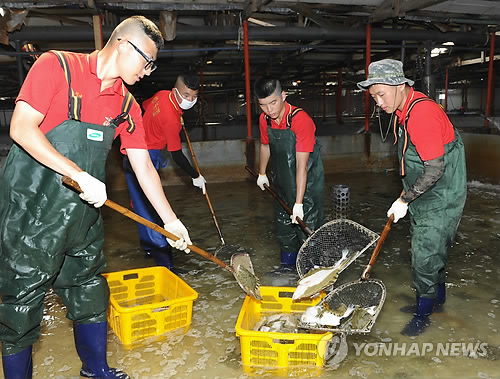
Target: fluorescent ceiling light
438	50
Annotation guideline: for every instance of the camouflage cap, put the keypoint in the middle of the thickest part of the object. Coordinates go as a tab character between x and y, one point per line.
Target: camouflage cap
385	71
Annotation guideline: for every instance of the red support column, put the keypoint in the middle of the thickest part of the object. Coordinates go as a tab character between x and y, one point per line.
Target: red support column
368	61
491	84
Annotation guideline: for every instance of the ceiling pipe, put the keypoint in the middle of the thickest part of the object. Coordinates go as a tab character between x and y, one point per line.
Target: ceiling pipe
279	34
340	48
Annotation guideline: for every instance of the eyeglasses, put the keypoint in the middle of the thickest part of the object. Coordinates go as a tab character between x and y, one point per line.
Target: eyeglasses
150	65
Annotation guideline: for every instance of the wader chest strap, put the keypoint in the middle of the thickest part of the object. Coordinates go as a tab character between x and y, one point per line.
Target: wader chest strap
288	118
402	171
127	104
75	102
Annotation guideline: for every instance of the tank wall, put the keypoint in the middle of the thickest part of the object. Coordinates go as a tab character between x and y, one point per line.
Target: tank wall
483	157
222	161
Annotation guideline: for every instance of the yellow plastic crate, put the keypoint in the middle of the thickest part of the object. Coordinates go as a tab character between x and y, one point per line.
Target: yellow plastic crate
285	354
148	302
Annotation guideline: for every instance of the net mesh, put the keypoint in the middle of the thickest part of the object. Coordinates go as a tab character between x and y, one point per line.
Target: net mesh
364	294
337	240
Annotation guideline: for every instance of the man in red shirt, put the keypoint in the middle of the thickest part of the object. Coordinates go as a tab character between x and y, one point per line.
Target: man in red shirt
70	108
432	166
162	124
288	142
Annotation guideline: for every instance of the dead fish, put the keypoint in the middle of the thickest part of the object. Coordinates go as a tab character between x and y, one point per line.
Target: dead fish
319	315
361	317
340	310
278	323
319	278
248	281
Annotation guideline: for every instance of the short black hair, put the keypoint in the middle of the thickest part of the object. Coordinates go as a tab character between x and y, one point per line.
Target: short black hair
266	86
191	80
150	29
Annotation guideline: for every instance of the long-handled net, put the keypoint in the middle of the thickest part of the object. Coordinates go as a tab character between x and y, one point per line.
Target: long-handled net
241	265
224	250
336	242
352	307
365	297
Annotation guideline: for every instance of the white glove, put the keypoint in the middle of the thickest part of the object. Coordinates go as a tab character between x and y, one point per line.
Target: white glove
298	211
93	190
200	183
261	180
399	209
179	230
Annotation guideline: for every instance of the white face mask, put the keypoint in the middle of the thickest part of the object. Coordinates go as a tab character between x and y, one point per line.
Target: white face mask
185	104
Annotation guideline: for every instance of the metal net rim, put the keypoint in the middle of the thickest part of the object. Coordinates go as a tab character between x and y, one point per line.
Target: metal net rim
373	237
347	330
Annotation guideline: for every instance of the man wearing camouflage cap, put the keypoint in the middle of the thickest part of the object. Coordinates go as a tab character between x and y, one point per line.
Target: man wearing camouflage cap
432	166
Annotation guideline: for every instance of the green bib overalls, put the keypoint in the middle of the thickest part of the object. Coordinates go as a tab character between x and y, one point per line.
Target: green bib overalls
49	236
435	214
283	174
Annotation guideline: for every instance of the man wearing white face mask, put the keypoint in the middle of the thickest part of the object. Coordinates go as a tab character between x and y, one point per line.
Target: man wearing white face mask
162	124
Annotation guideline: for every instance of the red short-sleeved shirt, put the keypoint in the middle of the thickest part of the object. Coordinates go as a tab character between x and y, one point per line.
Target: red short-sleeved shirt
46	90
162	121
429	127
302	125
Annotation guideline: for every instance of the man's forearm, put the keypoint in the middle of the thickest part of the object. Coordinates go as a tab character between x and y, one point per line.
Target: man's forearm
433	170
301	176
264	155
181	161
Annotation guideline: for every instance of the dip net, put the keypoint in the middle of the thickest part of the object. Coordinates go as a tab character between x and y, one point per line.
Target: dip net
367	296
338	241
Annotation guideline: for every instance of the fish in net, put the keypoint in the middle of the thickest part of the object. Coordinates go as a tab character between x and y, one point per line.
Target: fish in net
350	308
336	242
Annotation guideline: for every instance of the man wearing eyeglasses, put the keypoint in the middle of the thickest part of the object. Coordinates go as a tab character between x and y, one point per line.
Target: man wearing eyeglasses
163	124
69	110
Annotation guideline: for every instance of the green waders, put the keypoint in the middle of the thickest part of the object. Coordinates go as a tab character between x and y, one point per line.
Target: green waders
434	215
50	237
283	169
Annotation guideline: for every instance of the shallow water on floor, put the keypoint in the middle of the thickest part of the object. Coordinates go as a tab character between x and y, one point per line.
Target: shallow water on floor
211	349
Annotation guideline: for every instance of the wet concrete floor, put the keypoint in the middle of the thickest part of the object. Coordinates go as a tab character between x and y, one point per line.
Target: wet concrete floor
211	349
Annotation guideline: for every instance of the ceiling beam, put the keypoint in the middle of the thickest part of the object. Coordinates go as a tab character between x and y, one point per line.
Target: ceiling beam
308	12
398	8
253	6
